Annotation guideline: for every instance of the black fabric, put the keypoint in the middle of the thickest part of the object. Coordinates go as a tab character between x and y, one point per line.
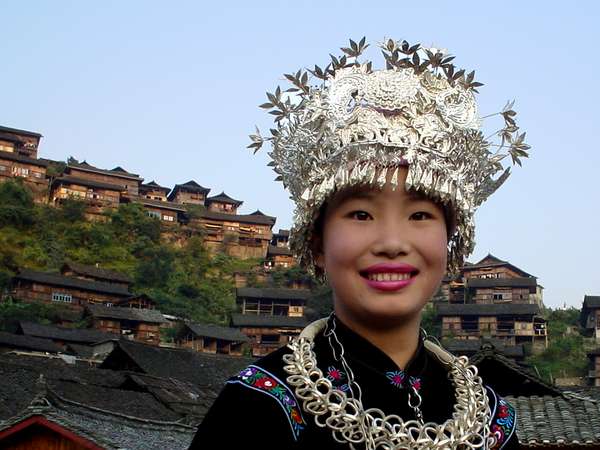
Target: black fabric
243	417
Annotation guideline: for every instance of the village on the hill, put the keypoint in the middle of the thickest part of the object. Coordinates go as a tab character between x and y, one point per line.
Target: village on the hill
114	371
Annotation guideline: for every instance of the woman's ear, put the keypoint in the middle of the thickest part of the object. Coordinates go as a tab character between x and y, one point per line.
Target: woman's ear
317	251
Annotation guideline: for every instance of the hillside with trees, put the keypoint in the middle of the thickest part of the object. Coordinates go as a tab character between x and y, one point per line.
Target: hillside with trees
177	272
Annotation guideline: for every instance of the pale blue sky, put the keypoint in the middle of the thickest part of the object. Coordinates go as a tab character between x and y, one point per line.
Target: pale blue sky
170	90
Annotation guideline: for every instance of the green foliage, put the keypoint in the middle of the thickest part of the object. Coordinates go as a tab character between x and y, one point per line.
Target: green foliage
16	204
55	169
195	211
561	320
566	352
12	312
186	281
286	277
564	357
320	303
430	322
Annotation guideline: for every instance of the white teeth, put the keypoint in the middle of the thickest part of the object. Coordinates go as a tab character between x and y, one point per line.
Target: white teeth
388	276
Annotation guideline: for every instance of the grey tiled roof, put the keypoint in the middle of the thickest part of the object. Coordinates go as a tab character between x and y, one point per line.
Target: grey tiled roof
510	377
274	293
57	279
81	383
502	282
201	369
217	332
159	204
153	185
17	131
243	218
255	320
473	309
108	430
471	346
557	421
96	272
68	179
223	198
78	335
190	186
591	301
22	159
117	171
117	312
495	262
20	342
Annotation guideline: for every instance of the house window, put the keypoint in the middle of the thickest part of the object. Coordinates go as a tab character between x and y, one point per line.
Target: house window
154	214
269	339
20	171
60	297
498	296
7	146
169	218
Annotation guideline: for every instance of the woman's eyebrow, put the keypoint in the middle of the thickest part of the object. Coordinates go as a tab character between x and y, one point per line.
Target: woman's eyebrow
355	195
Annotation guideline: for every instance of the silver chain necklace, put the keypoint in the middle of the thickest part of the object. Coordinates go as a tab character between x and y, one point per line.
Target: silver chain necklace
414	398
371	428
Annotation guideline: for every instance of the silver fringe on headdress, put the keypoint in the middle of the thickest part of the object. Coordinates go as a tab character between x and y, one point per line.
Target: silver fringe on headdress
358	124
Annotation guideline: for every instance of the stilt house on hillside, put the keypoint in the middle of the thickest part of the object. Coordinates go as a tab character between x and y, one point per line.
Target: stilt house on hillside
493	299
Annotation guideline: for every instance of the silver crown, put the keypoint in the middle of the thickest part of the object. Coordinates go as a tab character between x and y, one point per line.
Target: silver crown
358	124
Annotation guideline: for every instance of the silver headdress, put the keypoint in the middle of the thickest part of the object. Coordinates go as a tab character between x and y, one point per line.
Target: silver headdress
358	124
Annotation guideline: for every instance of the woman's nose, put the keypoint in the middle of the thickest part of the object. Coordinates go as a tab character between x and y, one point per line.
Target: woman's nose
392	239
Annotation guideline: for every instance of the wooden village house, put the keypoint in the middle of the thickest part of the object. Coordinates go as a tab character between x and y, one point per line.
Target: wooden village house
279	253
590	322
209	338
19	142
154	191
188	193
168	213
142	325
269	316
127	181
514	324
84	342
240	235
493	299
18	159
491	280
95	273
54	288
99	196
590	316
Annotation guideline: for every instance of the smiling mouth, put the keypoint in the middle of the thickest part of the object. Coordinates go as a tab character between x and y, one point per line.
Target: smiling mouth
378	276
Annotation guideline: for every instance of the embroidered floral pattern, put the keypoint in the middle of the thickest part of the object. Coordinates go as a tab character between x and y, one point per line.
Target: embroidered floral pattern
396	377
260	380
337	377
503	423
415	383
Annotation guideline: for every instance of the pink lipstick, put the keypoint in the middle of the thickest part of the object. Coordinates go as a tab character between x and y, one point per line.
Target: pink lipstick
389	276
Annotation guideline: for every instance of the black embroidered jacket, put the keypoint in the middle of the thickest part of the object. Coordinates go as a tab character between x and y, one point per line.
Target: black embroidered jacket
257	409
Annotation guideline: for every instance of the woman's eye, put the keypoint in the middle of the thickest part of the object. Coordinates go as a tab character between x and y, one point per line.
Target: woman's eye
360	215
421	215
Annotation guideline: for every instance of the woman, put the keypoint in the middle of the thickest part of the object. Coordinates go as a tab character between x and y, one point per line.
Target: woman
386	168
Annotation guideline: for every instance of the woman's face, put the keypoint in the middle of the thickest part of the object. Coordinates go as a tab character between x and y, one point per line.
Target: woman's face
384	252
